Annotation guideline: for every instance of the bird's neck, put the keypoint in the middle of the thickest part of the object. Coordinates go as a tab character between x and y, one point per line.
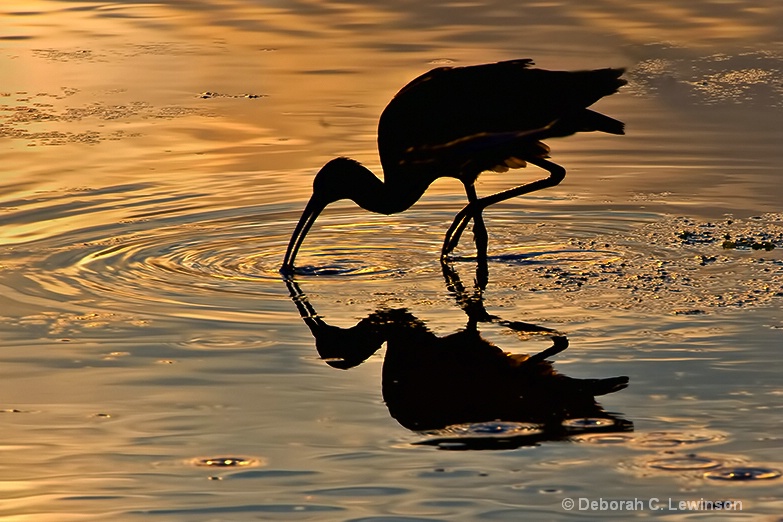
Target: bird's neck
381	197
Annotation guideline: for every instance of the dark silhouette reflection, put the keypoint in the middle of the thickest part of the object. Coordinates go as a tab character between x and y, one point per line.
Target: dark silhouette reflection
462	388
458	122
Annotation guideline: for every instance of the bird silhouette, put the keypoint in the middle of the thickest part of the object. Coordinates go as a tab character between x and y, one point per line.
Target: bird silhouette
436	382
458	122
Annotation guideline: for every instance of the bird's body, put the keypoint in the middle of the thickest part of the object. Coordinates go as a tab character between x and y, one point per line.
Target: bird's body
459	122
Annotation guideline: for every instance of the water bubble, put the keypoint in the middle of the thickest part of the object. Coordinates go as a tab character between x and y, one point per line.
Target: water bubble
483	435
226	462
588	423
689	462
493	429
743	474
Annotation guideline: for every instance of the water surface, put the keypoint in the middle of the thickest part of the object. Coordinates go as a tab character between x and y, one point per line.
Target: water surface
156	366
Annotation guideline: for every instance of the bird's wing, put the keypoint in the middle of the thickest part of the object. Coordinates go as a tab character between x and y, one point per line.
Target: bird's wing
439	72
474	154
448	104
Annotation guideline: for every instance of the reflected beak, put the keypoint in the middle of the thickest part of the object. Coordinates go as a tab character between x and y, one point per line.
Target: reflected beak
311	212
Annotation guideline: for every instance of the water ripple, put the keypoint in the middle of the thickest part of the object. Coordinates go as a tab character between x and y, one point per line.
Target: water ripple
743	474
689	462
142	249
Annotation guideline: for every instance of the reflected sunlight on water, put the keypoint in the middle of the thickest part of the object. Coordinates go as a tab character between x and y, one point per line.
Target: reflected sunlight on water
154	363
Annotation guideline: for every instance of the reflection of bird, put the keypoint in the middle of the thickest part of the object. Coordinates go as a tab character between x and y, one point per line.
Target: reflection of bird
432	382
458	122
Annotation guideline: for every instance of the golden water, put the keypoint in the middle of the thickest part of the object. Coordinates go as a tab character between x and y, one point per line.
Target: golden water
155	158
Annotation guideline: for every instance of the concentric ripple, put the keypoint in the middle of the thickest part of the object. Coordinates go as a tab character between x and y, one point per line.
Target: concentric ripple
179	265
172	257
484	435
690	462
227	256
138	249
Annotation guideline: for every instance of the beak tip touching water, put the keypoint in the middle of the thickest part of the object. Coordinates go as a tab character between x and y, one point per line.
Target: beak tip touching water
311	212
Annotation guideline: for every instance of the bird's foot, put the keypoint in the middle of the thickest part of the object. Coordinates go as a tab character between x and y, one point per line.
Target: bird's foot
451	240
457	227
447	249
287	271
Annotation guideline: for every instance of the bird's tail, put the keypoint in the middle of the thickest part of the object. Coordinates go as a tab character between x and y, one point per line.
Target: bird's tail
605	386
595	121
594	85
606	81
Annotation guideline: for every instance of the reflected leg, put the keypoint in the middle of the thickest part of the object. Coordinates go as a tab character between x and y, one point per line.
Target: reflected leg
471	302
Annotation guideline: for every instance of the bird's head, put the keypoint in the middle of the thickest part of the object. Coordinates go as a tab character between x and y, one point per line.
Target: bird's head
340	178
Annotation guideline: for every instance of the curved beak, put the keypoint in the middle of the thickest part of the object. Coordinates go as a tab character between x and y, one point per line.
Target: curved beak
311	212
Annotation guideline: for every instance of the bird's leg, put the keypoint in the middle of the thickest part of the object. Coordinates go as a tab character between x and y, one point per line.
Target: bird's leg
480	236
460	224
473	208
454	232
556	175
